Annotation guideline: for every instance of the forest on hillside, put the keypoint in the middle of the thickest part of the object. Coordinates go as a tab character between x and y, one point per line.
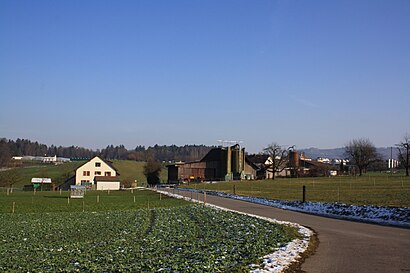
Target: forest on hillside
24	147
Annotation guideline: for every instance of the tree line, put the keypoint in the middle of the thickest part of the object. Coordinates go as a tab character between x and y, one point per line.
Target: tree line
25	147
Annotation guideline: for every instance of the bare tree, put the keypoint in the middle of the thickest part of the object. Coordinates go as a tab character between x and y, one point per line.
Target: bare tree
361	153
278	156
404	148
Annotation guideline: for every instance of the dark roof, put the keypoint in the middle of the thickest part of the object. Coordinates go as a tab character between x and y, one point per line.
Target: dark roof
212	155
107	178
250	163
178	164
260	158
314	163
109	163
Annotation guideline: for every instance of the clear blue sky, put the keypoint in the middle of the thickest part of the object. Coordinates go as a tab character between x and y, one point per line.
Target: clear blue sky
309	73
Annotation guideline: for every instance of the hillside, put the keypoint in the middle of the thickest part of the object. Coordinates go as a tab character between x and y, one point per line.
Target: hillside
128	169
134	170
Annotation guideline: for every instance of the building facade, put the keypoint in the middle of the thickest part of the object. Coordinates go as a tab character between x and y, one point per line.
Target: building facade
86	173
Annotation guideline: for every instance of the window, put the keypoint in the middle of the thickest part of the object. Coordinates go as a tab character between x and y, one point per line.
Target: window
107	173
86	173
97	173
98	164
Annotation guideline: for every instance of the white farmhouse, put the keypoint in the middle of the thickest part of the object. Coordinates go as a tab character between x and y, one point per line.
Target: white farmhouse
87	173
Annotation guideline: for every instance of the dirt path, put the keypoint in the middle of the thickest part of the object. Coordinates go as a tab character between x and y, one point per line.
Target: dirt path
344	246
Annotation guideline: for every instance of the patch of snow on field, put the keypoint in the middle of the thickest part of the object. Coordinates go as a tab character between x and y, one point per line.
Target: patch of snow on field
283	256
371	214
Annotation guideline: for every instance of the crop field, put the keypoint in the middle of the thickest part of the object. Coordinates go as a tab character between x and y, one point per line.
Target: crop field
46	233
370	189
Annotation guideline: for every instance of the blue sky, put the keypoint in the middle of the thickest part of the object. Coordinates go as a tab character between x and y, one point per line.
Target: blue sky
305	73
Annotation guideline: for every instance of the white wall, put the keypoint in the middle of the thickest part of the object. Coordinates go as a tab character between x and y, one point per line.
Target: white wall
108	186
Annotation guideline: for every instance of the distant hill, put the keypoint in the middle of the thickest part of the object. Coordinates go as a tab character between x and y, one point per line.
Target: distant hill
340	152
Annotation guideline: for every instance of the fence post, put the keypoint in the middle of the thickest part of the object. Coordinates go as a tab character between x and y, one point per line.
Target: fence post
234	189
204	198
304	194
14	205
338	194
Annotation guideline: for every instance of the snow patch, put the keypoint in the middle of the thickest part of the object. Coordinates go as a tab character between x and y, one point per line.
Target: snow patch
371	214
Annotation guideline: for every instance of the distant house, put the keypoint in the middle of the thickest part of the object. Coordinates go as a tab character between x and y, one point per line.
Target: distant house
43	159
263	163
219	164
295	165
98	173
299	165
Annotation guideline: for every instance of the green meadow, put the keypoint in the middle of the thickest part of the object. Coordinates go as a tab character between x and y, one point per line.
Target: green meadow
129	170
48	201
370	189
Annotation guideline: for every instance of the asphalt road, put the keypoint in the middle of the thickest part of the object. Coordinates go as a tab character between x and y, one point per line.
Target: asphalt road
345	246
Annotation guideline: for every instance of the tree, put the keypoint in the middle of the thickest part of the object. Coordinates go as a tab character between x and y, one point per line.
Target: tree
278	156
404	147
361	153
152	169
10	177
5	154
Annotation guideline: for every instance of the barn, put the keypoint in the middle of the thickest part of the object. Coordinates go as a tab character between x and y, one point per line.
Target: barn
220	164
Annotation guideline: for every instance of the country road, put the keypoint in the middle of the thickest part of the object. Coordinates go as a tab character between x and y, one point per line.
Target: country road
344	246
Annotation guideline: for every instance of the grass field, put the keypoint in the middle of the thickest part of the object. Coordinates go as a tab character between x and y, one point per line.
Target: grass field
109	232
370	189
131	170
134	170
47	201
55	172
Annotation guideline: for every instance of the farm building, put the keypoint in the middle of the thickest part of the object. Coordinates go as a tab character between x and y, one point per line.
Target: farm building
97	171
299	165
295	165
263	163
107	182
223	163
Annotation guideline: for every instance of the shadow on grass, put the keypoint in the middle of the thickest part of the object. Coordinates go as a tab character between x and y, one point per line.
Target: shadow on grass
64	197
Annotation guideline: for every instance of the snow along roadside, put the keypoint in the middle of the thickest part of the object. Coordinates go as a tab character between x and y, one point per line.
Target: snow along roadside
368	214
282	257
